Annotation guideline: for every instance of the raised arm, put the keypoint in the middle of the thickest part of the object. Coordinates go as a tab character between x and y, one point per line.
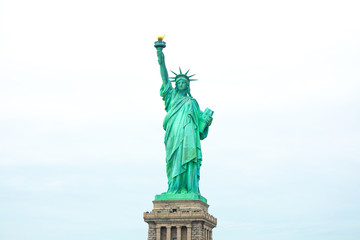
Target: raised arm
163	70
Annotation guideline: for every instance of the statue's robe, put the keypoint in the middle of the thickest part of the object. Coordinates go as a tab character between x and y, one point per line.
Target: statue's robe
182	141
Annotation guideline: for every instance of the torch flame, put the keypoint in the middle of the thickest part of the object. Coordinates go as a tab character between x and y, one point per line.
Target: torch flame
160	38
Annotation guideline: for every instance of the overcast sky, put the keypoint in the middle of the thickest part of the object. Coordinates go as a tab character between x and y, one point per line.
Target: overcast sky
81	138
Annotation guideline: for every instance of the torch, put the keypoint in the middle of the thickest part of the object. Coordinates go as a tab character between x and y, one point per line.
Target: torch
160	44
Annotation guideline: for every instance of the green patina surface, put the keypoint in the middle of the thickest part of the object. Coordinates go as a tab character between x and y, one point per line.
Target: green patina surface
185	125
180	196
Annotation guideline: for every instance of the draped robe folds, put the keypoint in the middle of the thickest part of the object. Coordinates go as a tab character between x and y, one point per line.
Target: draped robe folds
182	141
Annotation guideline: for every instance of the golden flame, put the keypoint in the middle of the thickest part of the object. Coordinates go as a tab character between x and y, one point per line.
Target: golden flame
160	38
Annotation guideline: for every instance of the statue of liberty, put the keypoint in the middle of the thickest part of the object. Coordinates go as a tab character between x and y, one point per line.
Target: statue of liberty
185	125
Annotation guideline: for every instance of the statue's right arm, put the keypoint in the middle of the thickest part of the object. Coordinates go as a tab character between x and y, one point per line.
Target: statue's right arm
163	70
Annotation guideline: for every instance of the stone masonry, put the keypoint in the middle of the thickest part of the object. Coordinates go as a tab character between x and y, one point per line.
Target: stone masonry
180	220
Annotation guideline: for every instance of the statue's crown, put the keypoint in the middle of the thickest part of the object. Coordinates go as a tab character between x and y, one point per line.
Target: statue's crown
182	75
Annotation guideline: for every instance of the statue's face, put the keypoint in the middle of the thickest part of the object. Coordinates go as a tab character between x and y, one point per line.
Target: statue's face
182	84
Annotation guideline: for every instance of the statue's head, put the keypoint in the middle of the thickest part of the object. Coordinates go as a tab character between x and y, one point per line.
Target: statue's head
182	76
182	81
182	84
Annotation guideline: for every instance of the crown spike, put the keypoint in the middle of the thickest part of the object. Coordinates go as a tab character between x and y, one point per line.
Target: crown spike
182	75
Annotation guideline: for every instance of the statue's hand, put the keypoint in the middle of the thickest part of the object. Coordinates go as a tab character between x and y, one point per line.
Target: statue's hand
208	120
160	55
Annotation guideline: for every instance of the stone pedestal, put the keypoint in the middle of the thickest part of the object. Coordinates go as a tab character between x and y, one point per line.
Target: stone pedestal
180	220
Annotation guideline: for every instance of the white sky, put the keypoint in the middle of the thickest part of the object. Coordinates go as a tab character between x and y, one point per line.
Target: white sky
81	139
